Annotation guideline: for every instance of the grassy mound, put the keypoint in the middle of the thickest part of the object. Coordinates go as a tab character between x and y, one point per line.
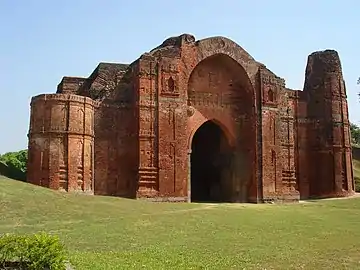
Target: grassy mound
112	233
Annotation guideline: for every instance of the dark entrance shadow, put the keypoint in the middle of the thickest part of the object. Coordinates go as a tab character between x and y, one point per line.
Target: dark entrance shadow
210	151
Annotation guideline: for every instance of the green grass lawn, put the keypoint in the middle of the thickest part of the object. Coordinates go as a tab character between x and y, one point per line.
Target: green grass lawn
113	233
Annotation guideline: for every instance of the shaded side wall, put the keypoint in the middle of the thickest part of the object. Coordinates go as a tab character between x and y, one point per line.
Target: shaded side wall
302	139
115	150
116	141
61	138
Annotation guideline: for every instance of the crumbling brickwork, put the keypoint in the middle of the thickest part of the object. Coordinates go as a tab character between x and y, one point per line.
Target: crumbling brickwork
195	120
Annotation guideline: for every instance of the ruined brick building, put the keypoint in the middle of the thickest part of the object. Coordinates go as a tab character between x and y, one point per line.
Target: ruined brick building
195	121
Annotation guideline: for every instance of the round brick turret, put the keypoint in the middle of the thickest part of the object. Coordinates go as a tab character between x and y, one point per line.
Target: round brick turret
61	141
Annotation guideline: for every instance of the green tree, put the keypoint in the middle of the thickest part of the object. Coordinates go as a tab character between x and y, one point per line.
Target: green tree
16	160
355	134
14	165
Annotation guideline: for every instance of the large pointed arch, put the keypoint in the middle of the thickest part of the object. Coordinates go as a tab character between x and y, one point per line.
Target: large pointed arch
220	88
221	45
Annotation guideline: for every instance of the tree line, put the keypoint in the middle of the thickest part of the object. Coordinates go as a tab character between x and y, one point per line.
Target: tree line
355	134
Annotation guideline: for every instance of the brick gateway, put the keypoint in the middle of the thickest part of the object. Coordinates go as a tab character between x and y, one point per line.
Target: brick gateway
195	121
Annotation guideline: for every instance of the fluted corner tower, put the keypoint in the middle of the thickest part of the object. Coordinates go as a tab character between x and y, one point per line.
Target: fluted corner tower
328	135
61	141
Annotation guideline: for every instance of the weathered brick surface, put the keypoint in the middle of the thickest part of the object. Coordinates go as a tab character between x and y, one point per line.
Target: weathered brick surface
70	85
61	140
328	165
198	120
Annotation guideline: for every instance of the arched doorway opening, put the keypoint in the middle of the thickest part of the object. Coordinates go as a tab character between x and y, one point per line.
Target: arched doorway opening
220	88
210	153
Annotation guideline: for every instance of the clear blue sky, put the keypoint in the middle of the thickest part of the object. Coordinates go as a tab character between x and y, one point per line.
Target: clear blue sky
42	40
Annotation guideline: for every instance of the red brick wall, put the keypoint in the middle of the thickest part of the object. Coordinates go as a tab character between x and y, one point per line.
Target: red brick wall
116	129
70	85
287	144
115	151
274	139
